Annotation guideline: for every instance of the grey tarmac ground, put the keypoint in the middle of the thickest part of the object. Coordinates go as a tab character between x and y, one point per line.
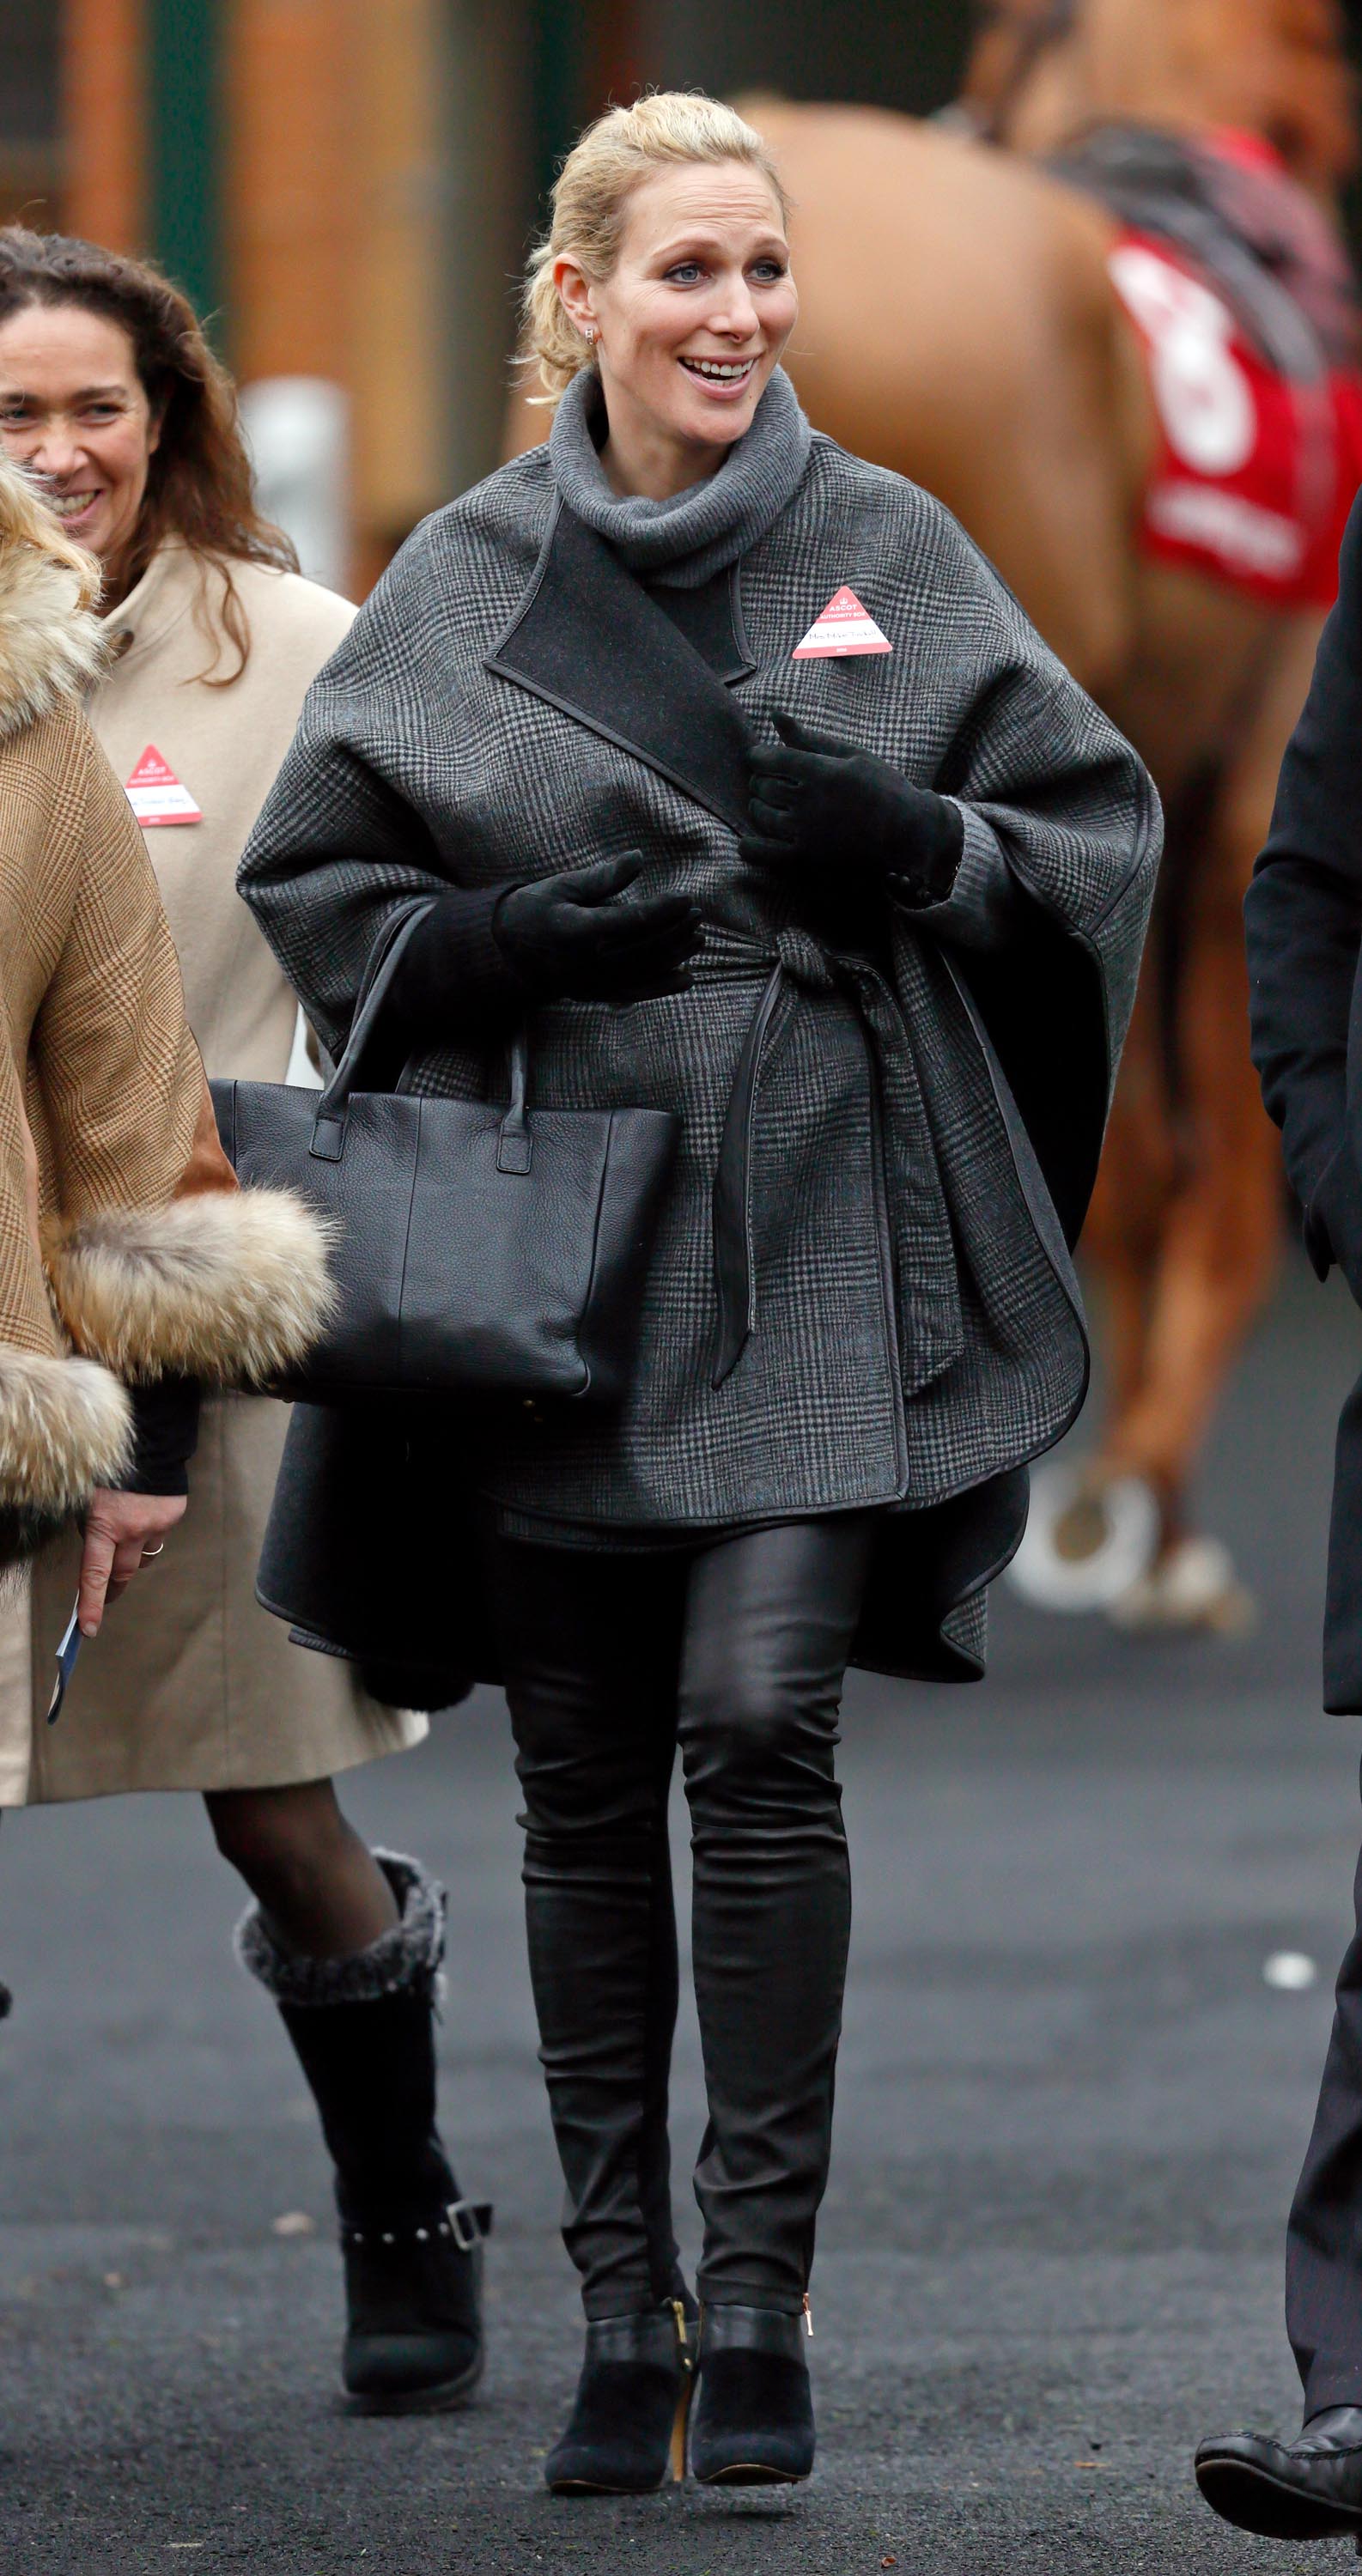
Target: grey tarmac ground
1069	2119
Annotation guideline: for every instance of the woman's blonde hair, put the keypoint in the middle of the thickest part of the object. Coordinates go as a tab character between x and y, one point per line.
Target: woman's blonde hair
590	202
25	520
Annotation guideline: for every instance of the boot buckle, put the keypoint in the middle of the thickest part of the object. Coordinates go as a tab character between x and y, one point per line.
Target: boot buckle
468	2221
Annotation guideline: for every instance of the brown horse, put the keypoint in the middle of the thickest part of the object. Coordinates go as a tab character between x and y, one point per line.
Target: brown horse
959	322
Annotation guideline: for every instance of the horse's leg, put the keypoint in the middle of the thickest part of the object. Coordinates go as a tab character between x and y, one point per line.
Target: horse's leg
1219	1238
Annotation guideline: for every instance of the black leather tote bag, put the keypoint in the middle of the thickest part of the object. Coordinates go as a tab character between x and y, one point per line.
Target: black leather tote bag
480	1250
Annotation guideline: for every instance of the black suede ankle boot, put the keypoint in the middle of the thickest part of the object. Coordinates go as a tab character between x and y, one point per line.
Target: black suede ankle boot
753	2420
362	2028
626	2434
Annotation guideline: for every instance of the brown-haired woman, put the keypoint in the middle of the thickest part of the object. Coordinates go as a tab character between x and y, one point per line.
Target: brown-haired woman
111	396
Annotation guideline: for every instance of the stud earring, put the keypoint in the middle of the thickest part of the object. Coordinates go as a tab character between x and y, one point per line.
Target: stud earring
589	332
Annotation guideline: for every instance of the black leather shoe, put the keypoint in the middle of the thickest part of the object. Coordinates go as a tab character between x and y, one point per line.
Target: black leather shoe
626	2434
753	2422
1309	2489
414	2304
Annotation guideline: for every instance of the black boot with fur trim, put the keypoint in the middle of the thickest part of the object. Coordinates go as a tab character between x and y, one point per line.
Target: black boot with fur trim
362	2029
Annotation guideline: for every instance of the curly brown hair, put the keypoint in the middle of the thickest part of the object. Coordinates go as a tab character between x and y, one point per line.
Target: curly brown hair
199	486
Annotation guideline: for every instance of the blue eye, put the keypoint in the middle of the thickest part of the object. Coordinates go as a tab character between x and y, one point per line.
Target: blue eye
684	271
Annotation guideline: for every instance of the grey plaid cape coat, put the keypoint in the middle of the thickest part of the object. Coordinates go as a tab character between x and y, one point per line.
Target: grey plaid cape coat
924	1133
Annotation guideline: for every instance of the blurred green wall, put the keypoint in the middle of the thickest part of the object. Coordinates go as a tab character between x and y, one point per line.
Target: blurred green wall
184	155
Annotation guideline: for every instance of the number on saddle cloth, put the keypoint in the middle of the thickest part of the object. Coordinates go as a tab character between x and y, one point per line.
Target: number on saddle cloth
1256	472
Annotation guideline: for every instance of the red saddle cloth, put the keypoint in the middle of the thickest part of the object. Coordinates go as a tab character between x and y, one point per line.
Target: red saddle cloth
1241	293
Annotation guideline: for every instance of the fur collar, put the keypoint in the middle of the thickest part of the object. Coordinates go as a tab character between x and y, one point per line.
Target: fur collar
50	648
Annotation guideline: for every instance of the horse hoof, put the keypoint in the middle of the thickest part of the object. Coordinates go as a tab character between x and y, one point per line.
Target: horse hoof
1191	1590
1087	1541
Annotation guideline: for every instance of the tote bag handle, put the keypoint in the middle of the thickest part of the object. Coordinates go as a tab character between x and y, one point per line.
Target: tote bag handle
329	1127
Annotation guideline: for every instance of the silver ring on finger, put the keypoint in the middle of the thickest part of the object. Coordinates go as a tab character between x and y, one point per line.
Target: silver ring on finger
149	1552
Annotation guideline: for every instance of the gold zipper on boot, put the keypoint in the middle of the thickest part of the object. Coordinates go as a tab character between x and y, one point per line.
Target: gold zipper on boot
679	2312
808	2317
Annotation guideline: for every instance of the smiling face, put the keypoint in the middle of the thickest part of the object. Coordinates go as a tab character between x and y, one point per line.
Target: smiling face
73	408
690	323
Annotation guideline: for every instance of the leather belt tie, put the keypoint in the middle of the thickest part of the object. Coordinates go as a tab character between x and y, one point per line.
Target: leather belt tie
735	1282
918	1217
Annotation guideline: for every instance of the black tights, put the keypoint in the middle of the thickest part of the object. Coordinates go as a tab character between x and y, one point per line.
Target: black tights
737	1650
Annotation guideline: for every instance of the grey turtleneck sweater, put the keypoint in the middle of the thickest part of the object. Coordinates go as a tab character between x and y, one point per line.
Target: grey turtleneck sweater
684	541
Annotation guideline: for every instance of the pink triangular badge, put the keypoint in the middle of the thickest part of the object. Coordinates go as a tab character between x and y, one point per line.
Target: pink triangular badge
156	795
844	627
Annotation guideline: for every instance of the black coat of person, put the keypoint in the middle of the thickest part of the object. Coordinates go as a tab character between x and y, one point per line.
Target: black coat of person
1303	914
1304	920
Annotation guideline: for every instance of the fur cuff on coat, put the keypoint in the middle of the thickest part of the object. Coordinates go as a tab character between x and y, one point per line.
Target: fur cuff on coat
65	1427
228	1286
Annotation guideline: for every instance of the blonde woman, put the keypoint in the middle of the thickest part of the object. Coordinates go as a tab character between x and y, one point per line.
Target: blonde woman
111	398
727	761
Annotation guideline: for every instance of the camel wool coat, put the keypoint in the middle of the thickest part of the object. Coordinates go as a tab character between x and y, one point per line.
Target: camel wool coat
190	1685
127	1253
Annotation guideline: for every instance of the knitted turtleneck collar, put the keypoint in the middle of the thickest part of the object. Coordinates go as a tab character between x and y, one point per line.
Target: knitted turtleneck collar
686	540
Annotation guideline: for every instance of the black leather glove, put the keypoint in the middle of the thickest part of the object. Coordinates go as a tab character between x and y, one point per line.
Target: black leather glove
822	805
580	938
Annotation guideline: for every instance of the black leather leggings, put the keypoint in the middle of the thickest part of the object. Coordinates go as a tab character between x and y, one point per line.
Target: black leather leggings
737	1650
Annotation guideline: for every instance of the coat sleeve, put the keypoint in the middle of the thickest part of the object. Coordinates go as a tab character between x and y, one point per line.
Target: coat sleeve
337	848
1056	801
1064	830
1303	924
982	907
117	1073
158	1266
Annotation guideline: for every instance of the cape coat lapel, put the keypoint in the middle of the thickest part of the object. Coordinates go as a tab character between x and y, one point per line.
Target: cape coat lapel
587	638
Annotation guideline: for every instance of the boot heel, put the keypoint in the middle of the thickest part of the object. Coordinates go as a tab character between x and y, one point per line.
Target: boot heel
680	2421
684	2394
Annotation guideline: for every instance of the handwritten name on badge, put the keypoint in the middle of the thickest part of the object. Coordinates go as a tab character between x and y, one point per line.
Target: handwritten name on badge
156	795
843	628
